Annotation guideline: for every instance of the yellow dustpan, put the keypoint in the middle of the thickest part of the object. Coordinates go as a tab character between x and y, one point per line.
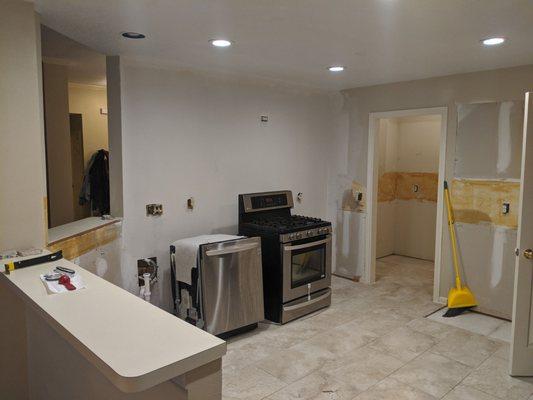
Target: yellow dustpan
460	298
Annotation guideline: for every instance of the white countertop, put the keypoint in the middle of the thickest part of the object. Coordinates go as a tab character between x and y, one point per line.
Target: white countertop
135	344
77	228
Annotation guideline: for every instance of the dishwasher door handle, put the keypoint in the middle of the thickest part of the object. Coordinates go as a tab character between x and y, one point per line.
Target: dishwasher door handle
230	250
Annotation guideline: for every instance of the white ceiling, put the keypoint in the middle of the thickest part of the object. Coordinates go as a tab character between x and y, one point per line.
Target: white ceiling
84	65
296	40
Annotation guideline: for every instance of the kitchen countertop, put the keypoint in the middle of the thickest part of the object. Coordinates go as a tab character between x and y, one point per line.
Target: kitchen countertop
133	343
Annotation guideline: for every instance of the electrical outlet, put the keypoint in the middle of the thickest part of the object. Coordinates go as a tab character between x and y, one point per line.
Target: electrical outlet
506	208
190	203
154	209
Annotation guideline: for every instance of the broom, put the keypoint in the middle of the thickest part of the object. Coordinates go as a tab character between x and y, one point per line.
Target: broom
460	298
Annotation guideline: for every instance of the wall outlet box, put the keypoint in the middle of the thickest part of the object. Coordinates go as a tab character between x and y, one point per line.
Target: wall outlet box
144	267
506	208
154	209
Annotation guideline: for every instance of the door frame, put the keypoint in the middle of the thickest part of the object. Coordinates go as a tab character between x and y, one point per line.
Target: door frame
369	275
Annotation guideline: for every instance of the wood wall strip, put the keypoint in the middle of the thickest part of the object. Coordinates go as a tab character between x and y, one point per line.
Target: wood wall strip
77	245
481	201
419	186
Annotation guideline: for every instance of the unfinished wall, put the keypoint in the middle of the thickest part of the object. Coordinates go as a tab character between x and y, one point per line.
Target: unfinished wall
407	188
87	100
22	168
58	151
351	147
487	175
192	135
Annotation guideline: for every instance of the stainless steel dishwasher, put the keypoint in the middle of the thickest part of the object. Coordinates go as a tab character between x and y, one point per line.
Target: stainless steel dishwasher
231	288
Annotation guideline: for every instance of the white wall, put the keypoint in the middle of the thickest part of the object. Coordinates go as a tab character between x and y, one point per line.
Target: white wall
418	144
22	175
407	227
88	100
388	137
190	135
418	151
351	144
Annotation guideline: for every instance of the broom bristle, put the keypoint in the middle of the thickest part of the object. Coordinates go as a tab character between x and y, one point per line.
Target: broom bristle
454	312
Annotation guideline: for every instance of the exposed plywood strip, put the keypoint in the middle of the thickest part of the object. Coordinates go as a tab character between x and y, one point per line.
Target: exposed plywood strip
77	245
348	201
420	186
387	186
481	201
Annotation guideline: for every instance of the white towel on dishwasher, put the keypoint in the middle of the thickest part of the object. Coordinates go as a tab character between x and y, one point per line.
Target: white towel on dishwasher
186	254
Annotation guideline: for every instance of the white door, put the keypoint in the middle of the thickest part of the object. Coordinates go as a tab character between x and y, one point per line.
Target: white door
522	344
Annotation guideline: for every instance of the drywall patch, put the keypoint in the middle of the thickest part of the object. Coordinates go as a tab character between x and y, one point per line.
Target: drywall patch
419	186
348	199
504	137
481	201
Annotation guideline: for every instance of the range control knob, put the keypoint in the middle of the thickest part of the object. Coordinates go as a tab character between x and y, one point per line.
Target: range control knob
309	233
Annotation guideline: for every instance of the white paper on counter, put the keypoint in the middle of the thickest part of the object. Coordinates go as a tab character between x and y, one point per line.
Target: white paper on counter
55	287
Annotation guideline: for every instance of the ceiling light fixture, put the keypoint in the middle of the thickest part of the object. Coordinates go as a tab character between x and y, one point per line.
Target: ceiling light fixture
220	42
493	41
133	35
336	68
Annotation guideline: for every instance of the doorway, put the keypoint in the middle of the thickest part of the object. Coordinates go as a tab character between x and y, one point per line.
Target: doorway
406	168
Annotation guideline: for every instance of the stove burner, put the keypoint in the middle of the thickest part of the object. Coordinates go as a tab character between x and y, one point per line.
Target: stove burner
282	223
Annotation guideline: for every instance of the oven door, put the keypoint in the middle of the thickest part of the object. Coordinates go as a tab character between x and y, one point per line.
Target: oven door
306	267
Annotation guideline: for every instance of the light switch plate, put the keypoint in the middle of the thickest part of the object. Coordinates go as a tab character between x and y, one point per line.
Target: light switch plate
154	209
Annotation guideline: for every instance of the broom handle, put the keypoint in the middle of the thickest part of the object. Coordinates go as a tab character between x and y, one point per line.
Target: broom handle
451	223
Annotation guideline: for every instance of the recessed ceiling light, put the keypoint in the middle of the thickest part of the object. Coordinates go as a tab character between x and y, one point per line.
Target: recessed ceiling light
336	68
493	41
133	35
220	42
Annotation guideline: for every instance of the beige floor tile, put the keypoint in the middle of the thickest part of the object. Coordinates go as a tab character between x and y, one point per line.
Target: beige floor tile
503	332
316	386
383	320
363	369
493	377
432	373
391	389
292	333
339	341
504	351
462	392
329	318
249	383
470	321
292	364
466	347
431	328
404	343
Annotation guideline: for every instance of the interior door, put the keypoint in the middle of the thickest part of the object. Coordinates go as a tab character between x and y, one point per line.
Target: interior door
78	165
522	344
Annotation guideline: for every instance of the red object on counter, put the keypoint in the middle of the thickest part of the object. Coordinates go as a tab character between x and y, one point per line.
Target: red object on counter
65	281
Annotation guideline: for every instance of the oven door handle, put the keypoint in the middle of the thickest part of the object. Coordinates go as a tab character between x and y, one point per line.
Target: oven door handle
231	249
306	245
309	302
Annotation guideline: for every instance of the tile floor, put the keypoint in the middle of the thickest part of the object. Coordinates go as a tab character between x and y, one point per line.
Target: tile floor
373	343
485	325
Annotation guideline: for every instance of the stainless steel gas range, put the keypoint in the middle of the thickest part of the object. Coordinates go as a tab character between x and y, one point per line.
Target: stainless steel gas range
296	252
